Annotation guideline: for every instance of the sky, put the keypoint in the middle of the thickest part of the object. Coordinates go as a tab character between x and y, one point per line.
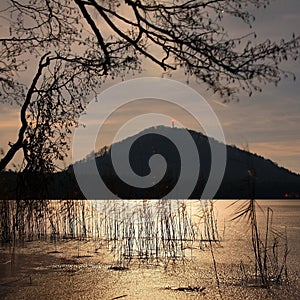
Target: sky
266	124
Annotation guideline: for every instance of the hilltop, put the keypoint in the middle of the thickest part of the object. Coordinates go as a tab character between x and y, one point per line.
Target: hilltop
271	180
267	180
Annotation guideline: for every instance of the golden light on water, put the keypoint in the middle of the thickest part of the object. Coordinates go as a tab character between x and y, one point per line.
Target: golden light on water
96	266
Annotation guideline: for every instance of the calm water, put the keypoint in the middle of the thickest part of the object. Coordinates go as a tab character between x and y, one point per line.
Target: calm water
286	216
37	273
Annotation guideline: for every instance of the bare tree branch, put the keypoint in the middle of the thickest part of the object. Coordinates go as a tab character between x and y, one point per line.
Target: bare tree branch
44	62
92	40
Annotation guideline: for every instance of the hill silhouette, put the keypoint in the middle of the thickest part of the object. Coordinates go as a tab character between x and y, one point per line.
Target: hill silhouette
246	174
271	181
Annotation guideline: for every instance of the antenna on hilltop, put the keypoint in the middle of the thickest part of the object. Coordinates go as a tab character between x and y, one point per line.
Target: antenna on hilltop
173	121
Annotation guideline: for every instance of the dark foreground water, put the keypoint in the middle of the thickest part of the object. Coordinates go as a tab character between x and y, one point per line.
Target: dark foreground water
82	270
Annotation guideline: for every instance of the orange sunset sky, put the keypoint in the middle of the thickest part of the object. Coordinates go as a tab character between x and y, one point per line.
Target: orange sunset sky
268	122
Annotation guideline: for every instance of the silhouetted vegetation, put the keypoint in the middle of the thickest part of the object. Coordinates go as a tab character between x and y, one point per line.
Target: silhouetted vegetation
270	247
159	230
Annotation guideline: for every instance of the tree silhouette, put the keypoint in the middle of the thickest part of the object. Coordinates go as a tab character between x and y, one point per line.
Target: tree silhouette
75	45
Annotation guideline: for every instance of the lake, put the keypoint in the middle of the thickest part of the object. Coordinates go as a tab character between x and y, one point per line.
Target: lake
168	265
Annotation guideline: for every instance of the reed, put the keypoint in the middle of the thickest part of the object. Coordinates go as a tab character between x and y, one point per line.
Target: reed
270	247
157	231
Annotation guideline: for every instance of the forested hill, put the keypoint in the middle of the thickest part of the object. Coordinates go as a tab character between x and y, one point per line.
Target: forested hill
245	174
271	181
